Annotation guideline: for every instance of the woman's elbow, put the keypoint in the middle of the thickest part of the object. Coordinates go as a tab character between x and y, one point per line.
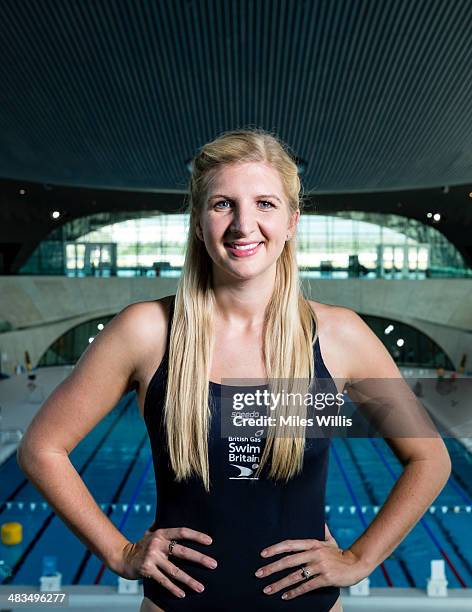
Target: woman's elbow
28	456
24	457
436	463
445	459
447	463
441	468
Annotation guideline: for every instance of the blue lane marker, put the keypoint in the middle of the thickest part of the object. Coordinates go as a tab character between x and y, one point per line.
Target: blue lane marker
136	492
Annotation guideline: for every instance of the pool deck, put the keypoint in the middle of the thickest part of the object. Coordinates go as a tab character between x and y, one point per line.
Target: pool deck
449	402
104	599
19	403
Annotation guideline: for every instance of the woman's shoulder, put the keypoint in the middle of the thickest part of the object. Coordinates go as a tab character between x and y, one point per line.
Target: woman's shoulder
147	312
335	319
332	324
148	320
350	344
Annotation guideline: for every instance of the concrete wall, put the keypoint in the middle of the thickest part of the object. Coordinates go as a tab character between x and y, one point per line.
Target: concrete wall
41	308
440	308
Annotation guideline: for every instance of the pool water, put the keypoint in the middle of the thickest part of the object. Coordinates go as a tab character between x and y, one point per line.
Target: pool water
115	462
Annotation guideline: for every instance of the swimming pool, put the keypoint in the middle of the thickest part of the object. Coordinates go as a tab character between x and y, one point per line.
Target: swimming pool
115	462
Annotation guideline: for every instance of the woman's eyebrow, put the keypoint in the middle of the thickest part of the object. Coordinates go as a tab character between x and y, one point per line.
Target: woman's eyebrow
267	195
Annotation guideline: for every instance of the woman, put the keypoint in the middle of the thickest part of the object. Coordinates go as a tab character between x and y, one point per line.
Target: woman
239	521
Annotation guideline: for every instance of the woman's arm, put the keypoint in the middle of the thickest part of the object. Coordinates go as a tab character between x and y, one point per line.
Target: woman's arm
102	375
361	356
426	462
426	470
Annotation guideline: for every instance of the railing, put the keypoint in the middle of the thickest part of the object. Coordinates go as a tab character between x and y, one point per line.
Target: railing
315	273
10	436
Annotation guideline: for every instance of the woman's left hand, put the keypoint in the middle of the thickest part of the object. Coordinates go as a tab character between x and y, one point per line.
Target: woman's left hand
326	562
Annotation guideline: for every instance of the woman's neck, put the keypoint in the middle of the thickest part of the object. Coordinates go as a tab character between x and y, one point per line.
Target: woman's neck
241	308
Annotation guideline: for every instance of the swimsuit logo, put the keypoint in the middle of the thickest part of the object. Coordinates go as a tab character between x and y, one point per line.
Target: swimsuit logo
244	471
241	452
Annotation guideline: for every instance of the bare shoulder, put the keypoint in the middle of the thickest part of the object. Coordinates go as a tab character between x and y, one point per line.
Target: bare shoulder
142	315
336	324
331	321
147	325
349	341
331	317
106	370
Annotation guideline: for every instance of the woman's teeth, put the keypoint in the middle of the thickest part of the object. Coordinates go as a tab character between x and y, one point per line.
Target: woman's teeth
245	247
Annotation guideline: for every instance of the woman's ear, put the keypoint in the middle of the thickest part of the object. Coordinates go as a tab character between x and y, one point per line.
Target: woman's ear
292	225
198	231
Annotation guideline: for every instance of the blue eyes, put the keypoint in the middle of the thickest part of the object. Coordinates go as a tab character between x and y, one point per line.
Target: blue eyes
260	202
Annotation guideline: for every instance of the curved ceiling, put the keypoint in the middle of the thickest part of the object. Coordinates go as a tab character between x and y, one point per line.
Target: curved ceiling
373	95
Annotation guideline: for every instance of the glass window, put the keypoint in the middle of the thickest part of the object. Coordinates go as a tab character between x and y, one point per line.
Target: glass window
339	245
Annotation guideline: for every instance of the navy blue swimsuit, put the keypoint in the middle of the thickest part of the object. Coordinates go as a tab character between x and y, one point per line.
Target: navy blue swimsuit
241	514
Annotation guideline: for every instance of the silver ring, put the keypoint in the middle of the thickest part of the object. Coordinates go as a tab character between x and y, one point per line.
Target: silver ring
306	573
172	543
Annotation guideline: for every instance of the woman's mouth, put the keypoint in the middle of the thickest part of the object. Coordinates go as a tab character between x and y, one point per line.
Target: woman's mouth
241	249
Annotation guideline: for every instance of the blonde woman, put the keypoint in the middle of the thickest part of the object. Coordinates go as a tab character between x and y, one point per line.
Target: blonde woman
238	523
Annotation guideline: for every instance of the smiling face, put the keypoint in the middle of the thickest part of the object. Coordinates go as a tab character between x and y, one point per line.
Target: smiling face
245	220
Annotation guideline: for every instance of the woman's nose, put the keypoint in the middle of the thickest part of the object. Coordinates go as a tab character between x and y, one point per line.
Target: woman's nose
243	220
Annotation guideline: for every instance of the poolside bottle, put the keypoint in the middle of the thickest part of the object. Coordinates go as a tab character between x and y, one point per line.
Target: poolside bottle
51	579
11	546
5	570
49	565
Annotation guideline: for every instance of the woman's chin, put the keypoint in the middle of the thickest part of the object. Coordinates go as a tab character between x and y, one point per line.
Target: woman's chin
242	272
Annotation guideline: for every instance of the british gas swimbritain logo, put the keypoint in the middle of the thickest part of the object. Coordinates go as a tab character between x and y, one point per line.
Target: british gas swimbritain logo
243	457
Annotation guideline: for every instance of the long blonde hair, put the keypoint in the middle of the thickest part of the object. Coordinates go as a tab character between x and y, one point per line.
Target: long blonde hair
289	329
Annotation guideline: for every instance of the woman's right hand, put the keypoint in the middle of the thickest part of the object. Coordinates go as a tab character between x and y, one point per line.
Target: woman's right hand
149	557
